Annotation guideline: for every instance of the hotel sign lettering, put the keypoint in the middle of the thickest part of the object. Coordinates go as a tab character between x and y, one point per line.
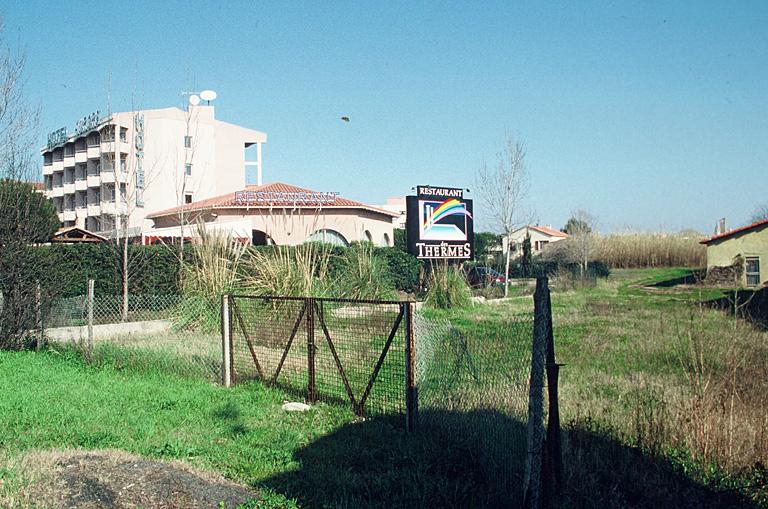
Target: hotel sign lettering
87	123
57	137
439	224
138	128
307	198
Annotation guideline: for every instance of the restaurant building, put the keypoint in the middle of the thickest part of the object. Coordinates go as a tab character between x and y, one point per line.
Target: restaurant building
276	213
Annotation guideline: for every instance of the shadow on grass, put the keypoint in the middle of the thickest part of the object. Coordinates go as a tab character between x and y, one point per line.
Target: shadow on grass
751	305
477	459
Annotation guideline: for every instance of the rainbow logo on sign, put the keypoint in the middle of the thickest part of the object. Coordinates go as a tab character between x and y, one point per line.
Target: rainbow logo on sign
445	220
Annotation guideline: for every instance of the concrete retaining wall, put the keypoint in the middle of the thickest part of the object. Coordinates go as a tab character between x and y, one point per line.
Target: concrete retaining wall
108	330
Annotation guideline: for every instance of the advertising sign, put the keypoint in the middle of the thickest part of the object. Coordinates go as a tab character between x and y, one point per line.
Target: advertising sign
439	224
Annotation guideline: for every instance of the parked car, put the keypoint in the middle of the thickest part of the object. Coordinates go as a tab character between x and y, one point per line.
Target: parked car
484	276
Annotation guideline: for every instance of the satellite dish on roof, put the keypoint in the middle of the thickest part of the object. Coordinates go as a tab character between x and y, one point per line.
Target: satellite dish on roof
208	95
194	99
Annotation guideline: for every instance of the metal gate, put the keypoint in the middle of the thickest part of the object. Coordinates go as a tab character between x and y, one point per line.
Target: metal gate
335	350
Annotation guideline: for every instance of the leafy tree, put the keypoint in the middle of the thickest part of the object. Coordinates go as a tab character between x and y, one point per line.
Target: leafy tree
576	225
400	239
484	242
26	218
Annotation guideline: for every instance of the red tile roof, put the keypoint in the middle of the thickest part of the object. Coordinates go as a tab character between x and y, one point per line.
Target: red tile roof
274	195
737	231
549	231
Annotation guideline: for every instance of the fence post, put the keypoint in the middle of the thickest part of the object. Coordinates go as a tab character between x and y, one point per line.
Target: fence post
89	304
411	394
533	460
39	316
309	304
226	331
553	443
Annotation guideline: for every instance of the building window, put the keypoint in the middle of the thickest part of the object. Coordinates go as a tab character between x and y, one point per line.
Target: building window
752	270
188	169
188	198
187	141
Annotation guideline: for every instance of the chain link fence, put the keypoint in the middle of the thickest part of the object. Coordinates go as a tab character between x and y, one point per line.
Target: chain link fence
165	333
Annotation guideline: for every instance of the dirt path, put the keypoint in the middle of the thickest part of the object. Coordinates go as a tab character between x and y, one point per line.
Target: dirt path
111	479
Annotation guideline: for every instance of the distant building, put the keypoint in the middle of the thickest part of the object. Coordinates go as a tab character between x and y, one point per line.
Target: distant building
397	206
541	236
114	170
739	255
279	214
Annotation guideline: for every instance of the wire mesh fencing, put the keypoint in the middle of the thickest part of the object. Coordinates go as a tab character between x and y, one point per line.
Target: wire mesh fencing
332	350
473	386
170	334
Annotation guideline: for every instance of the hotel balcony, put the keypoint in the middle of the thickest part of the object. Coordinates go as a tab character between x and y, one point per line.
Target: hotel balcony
81	156
70	215
69	161
58	165
81	185
94	209
47	169
69	187
93	180
93	152
107	176
57	192
111	147
112	208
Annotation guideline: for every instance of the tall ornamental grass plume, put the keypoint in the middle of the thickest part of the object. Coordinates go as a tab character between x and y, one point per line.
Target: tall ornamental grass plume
293	271
364	275
211	272
447	288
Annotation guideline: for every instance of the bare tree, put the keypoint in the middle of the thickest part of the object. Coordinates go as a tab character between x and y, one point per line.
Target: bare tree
503	188
581	237
760	213
19	121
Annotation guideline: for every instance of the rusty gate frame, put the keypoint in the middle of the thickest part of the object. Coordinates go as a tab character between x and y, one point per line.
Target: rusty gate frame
313	308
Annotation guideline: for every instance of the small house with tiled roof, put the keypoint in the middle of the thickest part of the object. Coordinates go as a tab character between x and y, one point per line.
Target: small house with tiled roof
740	254
541	237
276	213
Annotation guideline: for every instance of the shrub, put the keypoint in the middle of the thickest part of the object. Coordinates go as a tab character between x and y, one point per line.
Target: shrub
447	288
403	268
26	218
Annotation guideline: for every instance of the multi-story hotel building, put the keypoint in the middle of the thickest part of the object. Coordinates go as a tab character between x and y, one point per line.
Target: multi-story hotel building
114	170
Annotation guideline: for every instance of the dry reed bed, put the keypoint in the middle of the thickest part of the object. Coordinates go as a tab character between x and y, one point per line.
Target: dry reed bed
636	250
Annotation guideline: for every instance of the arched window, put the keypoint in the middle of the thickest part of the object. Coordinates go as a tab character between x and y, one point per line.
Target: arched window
328	237
368	236
260	238
385	240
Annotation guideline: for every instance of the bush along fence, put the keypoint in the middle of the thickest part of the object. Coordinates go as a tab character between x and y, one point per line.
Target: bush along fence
484	388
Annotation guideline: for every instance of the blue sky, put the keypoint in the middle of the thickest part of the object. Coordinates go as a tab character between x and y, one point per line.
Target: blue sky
649	114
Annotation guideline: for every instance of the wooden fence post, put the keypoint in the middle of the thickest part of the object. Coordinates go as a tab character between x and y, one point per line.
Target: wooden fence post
411	392
533	461
310	313
89	346
553	442
226	331
39	317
